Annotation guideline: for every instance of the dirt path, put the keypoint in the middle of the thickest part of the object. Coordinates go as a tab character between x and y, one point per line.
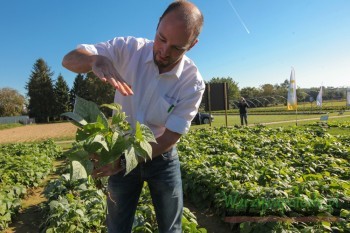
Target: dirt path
31	216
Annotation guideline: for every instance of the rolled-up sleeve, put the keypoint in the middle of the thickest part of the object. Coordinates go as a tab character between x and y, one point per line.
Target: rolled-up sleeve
88	47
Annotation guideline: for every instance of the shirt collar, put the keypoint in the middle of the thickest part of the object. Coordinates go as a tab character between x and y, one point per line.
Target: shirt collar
176	71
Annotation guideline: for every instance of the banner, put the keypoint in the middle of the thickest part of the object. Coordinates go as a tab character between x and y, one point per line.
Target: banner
292	93
319	98
348	97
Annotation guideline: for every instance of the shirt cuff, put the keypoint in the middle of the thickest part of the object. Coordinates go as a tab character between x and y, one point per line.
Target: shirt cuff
90	48
177	124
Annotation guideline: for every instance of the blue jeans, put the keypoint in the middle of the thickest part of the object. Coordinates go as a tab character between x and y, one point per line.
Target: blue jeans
164	180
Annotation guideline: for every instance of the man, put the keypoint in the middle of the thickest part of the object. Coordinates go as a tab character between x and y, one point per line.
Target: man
243	111
161	87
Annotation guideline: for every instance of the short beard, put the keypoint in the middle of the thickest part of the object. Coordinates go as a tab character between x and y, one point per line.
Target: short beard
160	64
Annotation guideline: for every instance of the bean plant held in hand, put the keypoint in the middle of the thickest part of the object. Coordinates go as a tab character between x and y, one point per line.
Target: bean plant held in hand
107	140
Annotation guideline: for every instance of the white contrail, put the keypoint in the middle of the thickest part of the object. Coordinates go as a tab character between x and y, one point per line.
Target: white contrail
239	18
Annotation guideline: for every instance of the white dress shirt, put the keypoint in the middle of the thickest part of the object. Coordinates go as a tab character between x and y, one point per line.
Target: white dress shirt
169	100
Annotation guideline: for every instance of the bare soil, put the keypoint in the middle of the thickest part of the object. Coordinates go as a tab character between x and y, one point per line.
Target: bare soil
38	132
208	220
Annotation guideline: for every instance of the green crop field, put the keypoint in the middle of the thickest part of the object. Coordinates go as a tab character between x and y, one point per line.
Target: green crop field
260	173
274	171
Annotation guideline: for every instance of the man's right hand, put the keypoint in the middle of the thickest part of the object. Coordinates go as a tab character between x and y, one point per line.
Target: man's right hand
104	69
81	61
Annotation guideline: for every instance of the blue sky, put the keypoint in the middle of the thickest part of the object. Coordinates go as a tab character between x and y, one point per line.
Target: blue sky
252	41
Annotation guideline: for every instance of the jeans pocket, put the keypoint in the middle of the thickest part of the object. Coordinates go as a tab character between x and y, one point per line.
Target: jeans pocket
170	155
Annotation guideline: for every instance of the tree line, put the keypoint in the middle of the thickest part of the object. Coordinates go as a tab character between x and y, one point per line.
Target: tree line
269	94
47	98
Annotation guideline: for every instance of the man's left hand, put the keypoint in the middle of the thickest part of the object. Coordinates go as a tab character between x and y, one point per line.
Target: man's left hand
106	170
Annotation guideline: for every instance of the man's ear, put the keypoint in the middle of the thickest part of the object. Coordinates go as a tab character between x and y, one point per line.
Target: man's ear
193	44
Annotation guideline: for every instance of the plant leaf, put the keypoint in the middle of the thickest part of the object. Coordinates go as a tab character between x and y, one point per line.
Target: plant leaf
138	132
88	110
118	117
77	120
78	171
93	144
114	138
147	148
102	121
95	127
113	106
140	152
119	146
81	135
147	134
131	159
77	153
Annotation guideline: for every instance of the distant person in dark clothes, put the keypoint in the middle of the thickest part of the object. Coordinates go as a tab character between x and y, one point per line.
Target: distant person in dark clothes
243	110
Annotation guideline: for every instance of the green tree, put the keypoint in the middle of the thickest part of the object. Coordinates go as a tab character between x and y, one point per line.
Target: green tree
281	91
62	100
90	87
78	89
267	90
267	93
251	94
11	102
233	90
99	92
285	84
40	92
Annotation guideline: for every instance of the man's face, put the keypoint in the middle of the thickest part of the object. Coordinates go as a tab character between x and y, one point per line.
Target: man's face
171	42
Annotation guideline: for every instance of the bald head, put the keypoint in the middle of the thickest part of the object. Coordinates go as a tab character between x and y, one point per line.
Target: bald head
188	13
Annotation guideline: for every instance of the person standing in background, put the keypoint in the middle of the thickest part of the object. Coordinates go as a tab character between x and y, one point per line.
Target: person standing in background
242	105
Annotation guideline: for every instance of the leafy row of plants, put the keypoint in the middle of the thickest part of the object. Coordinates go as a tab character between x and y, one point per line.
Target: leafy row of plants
258	171
47	147
74	206
337	124
22	166
78	206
